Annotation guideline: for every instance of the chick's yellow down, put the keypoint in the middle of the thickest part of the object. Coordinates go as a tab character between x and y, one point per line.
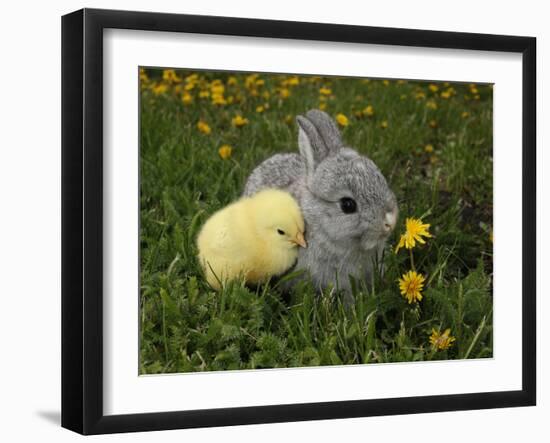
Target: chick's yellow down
256	237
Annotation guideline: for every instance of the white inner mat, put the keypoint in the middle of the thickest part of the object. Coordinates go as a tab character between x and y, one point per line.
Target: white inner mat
126	392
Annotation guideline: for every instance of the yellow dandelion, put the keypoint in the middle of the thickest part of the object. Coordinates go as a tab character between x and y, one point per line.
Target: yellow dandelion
411	285
465	114
186	98
189	86
260	109
204	94
429	148
386	82
420	95
401	82
322	106
474	90
217	87
284	93
415	229
431	104
368	111
143	77
325	91
160	88
446	94
260	82
441	341
225	151
203	127
293	81
239	121
342	120
170	75
384	124
232	81
218	99
433	88
288	119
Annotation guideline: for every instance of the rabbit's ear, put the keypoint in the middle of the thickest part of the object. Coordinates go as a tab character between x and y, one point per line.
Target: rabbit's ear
327	129
318	137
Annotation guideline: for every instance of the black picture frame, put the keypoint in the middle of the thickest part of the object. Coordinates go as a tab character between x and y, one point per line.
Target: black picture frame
82	220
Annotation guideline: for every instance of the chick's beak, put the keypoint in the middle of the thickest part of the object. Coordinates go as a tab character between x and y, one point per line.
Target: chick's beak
300	240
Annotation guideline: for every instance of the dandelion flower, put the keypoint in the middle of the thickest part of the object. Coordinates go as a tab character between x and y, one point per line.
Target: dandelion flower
217	87
225	151
170	75
293	81
429	148
322	106
232	81
414	232
386	82
203	127
384	124
204	94
161	88
446	94
441	341
431	104
325	91
186	98
433	88
284	93
368	111
260	109
411	285
239	121
465	114
342	120
218	99
143	75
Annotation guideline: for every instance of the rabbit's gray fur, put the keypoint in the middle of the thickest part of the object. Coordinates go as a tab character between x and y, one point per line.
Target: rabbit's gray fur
339	245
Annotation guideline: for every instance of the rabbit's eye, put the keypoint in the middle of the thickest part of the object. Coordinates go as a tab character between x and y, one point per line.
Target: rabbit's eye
281	232
348	205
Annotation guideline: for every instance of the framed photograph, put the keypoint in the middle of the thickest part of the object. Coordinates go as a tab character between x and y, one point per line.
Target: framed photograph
271	221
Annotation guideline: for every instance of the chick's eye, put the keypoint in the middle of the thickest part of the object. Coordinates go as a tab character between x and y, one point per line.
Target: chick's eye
348	205
281	232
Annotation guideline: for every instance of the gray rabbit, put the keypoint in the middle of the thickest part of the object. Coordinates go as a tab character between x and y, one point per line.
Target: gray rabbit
347	205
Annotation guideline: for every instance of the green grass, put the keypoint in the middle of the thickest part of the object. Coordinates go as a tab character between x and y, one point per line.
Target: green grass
185	326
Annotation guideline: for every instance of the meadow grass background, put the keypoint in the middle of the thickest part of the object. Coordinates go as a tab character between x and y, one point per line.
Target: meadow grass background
432	141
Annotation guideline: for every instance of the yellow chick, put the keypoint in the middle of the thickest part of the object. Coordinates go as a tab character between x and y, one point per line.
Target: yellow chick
256	237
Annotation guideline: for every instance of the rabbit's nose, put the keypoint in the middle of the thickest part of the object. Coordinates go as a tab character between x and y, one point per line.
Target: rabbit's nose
389	221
